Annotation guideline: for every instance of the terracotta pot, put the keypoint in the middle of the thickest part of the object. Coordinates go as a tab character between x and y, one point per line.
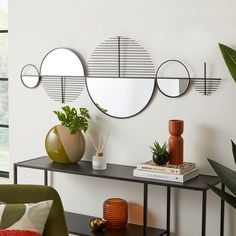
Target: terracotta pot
64	147
176	142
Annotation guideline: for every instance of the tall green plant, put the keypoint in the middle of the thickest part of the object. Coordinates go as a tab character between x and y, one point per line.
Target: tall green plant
229	55
228	177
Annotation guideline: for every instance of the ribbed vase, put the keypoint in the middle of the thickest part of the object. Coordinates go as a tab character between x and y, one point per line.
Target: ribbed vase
176	142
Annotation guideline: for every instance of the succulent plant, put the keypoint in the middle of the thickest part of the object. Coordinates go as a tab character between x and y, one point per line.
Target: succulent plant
160	154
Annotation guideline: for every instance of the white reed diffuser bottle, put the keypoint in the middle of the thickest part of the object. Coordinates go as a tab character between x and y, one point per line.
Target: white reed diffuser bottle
98	160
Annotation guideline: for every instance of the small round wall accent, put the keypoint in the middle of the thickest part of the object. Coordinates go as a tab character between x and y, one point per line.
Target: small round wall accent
29	75
64	147
173	86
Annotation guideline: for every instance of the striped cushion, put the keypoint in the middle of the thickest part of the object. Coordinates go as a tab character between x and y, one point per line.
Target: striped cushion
24	219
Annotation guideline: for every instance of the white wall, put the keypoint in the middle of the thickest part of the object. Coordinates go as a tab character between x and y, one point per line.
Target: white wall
185	29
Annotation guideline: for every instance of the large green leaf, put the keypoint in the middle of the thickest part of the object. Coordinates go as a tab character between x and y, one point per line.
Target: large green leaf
225	196
234	150
229	55
227	176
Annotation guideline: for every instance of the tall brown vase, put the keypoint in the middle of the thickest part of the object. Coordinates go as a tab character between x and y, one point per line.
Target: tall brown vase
176	142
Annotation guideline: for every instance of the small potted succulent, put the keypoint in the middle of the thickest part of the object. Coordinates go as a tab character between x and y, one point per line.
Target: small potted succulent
65	143
160	154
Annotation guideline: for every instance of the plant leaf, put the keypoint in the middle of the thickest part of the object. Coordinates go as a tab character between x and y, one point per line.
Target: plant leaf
225	196
234	150
227	176
229	55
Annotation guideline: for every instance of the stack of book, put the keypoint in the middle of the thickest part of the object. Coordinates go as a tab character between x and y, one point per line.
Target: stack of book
176	173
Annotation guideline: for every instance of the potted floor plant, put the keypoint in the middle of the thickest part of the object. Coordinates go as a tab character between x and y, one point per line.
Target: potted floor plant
65	143
226	175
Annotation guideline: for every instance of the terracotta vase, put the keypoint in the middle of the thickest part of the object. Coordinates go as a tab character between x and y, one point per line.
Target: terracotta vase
64	147
176	142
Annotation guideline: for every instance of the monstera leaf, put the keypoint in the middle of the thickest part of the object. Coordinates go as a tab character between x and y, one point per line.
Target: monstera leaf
229	55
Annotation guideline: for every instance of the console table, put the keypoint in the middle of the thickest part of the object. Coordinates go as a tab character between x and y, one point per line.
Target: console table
78	224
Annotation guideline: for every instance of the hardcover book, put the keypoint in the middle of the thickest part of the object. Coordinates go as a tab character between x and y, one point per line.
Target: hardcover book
170	169
165	176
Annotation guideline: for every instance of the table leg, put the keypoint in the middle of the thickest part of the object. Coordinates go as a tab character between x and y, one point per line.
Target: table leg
222	213
145	199
204	200
45	177
15	174
168	210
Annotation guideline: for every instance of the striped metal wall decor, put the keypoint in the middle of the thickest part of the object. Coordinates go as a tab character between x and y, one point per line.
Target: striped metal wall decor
119	57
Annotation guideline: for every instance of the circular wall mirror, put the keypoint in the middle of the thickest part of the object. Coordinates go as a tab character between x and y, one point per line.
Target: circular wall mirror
169	85
30	76
62	75
120	77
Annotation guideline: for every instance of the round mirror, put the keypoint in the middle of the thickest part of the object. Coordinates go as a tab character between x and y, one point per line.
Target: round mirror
169	85
62	75
30	76
120	77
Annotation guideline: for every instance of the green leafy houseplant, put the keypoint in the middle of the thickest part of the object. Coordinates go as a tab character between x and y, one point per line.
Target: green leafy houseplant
229	55
73	120
160	154
228	177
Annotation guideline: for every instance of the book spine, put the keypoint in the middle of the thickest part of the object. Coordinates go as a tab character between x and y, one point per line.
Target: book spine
159	169
165	177
165	169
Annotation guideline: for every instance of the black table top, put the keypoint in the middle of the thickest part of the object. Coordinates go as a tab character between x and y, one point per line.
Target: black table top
114	171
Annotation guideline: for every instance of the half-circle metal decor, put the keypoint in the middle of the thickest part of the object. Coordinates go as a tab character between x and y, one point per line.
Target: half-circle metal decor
62	75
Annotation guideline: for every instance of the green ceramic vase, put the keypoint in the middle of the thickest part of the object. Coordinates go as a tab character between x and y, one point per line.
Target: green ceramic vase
64	147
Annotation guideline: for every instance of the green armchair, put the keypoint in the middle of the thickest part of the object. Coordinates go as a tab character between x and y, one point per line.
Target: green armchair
56	224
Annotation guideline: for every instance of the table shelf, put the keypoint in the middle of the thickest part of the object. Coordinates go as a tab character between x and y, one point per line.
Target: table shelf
78	225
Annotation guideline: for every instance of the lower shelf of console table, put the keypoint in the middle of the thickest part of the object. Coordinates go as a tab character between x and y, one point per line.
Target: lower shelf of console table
78	225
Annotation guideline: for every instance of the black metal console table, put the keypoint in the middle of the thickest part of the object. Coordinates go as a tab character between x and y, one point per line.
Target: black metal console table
78	224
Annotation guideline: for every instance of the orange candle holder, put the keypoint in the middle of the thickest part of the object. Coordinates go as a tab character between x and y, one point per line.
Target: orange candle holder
115	211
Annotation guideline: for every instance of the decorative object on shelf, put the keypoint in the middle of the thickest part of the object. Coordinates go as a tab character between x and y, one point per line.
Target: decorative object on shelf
30	77
98	160
65	143
115	211
176	142
168	168
160	155
229	55
97	224
62	74
228	178
120	77
206	85
181	178
173	86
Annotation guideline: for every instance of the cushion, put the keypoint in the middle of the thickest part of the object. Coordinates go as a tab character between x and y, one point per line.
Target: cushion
24	219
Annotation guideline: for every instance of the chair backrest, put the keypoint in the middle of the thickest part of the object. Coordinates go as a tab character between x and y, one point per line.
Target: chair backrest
56	223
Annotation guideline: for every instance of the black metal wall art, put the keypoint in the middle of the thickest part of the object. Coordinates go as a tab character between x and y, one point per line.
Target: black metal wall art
62	74
120	77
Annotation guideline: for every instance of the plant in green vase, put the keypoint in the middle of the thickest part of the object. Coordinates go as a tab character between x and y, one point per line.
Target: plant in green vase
160	155
65	143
